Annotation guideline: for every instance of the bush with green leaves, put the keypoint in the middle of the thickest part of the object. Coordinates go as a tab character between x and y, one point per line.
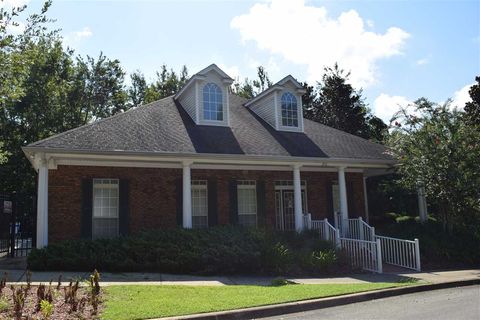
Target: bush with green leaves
438	248
218	250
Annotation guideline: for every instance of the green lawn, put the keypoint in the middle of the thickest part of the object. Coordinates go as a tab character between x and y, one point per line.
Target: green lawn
148	301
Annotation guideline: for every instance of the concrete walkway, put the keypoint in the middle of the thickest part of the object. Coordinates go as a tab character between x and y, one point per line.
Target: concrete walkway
133	278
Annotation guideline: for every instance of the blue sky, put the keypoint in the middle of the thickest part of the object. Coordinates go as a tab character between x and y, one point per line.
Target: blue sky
397	51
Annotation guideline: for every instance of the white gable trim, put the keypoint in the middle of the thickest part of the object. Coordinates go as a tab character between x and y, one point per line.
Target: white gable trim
278	86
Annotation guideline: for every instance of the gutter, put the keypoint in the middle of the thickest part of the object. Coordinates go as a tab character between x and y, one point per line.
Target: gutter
118	155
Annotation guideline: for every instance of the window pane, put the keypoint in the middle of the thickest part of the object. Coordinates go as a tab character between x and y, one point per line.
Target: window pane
289	110
104	228
199	204
247	203
212	102
105	208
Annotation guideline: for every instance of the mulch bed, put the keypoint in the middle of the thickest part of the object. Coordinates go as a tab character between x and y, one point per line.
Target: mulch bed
61	309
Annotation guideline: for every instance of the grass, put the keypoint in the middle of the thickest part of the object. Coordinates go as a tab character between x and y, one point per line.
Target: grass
140	302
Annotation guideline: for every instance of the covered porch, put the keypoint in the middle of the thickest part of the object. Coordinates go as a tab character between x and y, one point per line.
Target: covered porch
195	192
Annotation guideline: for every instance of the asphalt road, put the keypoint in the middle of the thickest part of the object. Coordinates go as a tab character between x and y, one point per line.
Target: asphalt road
449	304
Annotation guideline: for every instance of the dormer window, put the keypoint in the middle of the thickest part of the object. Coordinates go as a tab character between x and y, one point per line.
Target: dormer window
205	97
289	110
212	102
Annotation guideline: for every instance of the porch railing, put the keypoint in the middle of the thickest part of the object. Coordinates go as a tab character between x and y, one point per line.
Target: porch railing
399	252
363	254
366	249
326	230
354	228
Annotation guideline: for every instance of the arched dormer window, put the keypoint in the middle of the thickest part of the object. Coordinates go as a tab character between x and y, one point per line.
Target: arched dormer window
212	102
289	110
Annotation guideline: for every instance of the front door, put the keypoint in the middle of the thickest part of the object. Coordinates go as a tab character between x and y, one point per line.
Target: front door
285	208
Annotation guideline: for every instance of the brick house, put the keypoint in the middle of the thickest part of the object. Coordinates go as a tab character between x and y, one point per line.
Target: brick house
200	158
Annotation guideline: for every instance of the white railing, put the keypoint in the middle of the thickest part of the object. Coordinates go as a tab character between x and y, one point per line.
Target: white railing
354	228
363	254
326	230
307	221
363	246
359	229
399	252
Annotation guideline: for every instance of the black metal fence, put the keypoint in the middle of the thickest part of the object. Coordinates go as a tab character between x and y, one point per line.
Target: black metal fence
17	224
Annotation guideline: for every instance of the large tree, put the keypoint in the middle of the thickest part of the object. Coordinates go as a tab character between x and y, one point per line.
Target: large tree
45	89
472	108
250	88
436	148
167	83
337	104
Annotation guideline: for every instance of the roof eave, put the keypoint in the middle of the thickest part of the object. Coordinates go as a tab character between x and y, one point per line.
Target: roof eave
30	152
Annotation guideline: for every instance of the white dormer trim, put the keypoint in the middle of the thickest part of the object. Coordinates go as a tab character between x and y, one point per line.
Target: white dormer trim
278	86
268	106
191	95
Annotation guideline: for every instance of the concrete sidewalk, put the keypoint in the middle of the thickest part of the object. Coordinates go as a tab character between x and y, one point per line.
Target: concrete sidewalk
134	278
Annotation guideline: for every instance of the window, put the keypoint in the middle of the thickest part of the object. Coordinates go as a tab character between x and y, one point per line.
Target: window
105	208
212	102
247	203
289	110
199	204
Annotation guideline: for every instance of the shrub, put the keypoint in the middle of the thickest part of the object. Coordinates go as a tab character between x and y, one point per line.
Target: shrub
218	250
461	247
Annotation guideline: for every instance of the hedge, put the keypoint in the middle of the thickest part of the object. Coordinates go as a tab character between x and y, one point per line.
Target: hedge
218	250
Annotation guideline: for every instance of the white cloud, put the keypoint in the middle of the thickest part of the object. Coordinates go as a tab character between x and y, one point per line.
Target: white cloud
306	35
423	61
73	39
461	97
232	71
385	106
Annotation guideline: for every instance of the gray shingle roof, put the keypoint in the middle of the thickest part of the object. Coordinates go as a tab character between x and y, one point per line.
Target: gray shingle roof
163	126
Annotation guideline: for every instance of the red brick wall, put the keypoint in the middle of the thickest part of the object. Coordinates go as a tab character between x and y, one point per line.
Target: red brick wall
152	195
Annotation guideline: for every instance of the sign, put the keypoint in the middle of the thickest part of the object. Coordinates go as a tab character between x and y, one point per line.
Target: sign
7	206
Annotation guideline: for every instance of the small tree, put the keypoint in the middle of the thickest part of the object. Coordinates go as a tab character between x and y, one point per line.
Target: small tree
437	148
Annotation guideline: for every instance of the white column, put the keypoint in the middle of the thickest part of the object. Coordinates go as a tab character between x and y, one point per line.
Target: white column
342	188
422	204
187	196
365	199
297	194
42	205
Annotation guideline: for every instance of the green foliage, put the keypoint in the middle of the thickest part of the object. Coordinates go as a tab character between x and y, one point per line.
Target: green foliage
390	196
249	89
472	108
46	308
439	249
166	84
438	149
46	89
218	250
337	104
4	304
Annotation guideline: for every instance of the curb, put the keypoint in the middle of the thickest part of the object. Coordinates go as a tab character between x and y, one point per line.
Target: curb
307	305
